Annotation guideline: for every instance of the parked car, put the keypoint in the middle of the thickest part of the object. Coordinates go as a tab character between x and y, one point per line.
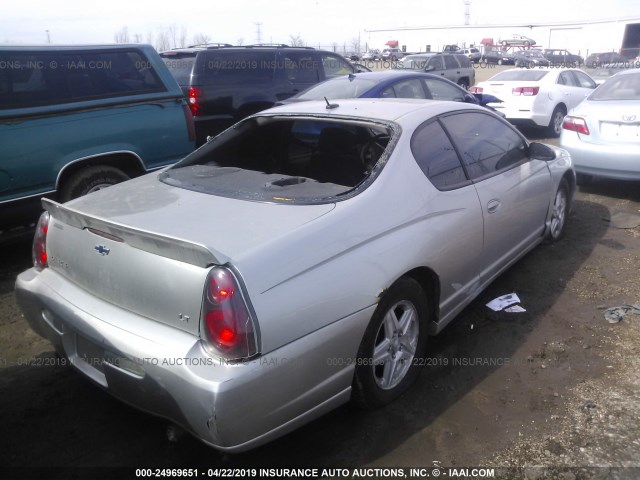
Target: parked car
372	55
603	132
530	59
516	39
603	73
392	54
538	98
562	58
391	84
274	275
224	84
596	60
498	57
452	66
80	118
473	54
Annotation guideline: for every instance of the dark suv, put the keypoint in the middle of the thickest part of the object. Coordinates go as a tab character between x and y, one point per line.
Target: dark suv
224	84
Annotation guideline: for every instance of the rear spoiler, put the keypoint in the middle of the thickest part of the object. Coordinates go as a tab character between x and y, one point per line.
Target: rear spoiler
165	246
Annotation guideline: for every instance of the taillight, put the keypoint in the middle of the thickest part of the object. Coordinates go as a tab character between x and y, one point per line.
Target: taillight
39	251
575	124
227	324
526	91
195	96
475	90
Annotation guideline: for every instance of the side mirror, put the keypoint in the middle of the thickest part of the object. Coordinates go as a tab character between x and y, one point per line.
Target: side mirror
540	151
429	68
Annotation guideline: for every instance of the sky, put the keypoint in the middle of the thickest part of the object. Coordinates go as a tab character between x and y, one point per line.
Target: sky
319	23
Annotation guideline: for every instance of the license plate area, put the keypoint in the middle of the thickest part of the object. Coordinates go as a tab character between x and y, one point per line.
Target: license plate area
620	131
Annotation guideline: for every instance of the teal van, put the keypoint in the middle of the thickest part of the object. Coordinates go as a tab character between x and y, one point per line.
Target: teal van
75	119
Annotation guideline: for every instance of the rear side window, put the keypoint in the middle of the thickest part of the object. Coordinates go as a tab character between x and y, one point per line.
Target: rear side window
437	158
301	67
180	68
463	60
237	68
43	78
450	62
105	74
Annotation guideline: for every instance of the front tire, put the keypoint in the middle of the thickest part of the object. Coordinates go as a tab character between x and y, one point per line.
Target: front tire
388	361
559	213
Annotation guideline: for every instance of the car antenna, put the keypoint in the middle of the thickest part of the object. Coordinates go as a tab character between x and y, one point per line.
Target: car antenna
330	106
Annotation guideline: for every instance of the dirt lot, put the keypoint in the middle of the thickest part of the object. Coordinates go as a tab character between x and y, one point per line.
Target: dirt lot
548	393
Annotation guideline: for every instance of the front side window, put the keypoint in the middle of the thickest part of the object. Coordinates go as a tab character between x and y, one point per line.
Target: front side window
229	67
487	146
441	90
335	66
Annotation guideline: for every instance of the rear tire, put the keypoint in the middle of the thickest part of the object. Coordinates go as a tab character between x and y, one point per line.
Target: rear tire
388	361
91	179
555	124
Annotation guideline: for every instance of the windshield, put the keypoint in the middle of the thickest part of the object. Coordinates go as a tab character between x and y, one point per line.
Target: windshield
351	86
619	87
286	159
519	76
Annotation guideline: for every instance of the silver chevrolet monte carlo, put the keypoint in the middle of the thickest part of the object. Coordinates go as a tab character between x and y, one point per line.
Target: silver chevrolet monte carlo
295	262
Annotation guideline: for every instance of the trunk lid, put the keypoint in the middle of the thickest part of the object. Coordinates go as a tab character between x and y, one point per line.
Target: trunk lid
147	247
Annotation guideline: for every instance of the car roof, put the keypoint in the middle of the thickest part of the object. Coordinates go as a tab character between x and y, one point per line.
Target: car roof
389	74
380	109
62	48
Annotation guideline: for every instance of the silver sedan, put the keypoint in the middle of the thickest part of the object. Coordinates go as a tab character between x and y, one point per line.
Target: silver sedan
603	132
297	261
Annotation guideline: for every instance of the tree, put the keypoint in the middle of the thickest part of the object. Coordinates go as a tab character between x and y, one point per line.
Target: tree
137	38
122	35
183	37
296	41
201	39
355	45
162	41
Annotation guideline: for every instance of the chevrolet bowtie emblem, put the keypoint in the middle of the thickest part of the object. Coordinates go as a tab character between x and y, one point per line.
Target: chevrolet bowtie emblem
102	250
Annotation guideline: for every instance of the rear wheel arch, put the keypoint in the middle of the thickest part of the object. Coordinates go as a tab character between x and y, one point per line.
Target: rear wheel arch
394	342
118	166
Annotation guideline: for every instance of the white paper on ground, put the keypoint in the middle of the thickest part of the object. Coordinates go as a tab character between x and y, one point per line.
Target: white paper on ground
500	303
515	309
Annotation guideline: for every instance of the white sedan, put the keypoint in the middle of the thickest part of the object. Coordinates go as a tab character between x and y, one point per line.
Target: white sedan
538	97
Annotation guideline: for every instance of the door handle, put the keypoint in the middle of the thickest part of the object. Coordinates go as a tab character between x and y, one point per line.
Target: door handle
493	205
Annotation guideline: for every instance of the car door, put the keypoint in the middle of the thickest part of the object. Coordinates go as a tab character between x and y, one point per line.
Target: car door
453	207
514	190
572	91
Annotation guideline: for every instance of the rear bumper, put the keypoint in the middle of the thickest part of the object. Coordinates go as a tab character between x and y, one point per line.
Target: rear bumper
618	162
166	372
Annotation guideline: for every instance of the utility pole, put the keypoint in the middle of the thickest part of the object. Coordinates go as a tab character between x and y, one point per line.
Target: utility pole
258	32
48	36
467	14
